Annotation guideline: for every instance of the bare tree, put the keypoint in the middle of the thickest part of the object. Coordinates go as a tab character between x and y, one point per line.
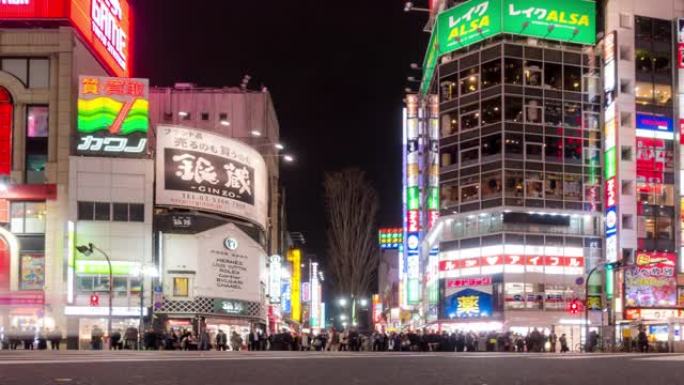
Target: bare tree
352	205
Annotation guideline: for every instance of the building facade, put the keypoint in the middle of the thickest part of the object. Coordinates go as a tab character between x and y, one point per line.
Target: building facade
558	157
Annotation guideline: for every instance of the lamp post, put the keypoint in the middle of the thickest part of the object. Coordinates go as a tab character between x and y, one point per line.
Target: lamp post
87	251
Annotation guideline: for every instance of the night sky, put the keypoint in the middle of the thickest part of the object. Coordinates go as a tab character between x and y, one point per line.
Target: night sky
336	70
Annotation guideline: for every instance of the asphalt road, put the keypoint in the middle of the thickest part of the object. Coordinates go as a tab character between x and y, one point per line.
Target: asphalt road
290	368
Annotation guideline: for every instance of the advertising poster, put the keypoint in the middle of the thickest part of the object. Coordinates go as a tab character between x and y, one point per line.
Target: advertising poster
651	281
205	171
113	117
32	272
652	160
473	298
228	264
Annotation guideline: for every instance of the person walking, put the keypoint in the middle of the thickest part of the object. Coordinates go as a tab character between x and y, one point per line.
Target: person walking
642	339
131	338
115	340
563	343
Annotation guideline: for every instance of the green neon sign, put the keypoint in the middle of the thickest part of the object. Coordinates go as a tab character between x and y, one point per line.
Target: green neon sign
611	163
572	21
433	198
468	24
413	198
98	267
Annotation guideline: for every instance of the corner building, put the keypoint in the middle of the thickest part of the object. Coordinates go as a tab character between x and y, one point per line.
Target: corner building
519	169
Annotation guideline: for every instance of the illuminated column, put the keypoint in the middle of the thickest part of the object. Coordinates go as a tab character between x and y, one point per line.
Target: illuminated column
295	257
412	194
680	107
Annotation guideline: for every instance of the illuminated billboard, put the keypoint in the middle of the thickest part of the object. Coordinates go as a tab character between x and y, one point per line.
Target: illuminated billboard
478	298
105	25
652	281
572	21
201	170
412	198
390	238
113	116
610	133
294	256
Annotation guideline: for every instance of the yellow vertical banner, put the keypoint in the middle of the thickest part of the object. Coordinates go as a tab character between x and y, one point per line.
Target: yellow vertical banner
294	256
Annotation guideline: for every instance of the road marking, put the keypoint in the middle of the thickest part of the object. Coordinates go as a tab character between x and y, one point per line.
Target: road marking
670	358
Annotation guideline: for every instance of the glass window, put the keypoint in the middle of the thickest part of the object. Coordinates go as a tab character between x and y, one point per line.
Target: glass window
491	73
449	195
35	168
513	109
662	94
513	71
553	149
662	63
449	124
120	284
39	73
553	112
204	116
491	111
533	110
572	187
644	61
491	185
554	188
181	287
491	145
643	92
84	284
534	151
449	87
101	283
572	77
514	184
573	115
120	212
664	228
86	211
470	155
37	122
662	31
137	212
573	150
513	145
136	285
35	218
102	211
470	117
27	217
553	76
643	27
17	67
590	121
470	193
533	73
17	213
534	185
470	81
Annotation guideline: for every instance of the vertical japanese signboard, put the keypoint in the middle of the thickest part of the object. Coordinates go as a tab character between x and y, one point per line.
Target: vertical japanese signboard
205	171
680	125
610	145
413	199
294	256
113	117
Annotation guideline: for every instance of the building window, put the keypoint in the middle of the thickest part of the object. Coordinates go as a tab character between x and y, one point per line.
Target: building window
572	187
533	110
204	116
470	193
27	217
33	72
102	211
120	212
515	184
491	73
554	186
533	73
181	287
470	117
553	76
534	185
513	145
491	145
572	78
491	111
449	88
223	116
514	109
491	185
469	81
36	143
449	124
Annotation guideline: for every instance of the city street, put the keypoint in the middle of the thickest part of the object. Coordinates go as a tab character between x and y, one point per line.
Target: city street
285	368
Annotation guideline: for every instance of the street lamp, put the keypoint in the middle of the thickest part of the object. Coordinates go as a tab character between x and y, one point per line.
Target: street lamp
343	317
408	6
342	302
87	251
145	272
363	302
256	133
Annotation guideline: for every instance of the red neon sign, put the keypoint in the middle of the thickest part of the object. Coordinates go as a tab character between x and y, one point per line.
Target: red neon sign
6	117
611	192
105	25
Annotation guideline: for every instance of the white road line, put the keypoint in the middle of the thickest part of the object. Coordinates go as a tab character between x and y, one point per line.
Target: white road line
670	358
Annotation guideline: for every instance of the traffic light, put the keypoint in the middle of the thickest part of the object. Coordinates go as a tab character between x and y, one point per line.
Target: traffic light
575	307
94	300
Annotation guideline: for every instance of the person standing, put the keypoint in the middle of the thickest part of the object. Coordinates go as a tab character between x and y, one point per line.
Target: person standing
235	341
96	336
564	343
55	338
642	339
221	341
115	343
553	340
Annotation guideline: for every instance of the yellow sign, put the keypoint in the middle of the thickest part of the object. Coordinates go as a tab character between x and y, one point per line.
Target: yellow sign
295	257
468	305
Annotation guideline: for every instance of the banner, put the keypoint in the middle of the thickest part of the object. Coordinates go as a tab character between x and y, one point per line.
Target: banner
206	171
652	281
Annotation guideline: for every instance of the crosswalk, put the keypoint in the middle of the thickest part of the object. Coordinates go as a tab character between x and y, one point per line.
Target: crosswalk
48	357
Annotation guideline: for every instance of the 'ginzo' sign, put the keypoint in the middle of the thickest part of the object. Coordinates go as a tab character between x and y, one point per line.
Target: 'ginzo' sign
107	16
209	174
